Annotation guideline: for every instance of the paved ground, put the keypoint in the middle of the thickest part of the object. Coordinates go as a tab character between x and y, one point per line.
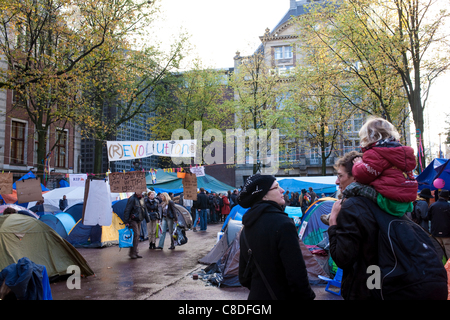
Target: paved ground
159	275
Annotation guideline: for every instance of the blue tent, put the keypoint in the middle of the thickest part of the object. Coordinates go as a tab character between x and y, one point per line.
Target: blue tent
236	214
56	224
67	220
76	211
312	228
293	185
438	168
97	236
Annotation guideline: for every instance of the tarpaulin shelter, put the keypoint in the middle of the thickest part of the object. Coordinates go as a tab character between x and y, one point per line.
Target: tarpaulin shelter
438	168
169	182
23	236
297	185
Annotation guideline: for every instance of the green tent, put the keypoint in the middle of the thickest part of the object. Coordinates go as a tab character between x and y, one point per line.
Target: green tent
169	182
23	236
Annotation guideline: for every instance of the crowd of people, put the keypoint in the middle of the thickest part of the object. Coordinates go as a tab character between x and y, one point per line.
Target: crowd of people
303	199
149	215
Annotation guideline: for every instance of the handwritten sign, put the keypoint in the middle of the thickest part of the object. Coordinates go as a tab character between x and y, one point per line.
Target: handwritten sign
133	181
128	150
29	190
190	186
6	182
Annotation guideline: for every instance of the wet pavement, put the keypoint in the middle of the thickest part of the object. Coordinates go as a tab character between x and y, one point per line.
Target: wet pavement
159	275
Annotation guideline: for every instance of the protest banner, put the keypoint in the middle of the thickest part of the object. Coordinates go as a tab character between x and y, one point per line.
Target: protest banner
129	150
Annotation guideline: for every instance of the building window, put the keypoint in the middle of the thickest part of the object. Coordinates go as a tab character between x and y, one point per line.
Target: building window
283	52
61	149
18	142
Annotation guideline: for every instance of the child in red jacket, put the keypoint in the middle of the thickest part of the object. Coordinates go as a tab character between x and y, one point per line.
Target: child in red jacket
387	166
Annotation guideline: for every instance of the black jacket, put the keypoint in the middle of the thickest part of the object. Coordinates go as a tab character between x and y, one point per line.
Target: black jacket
273	238
133	210
354	246
439	214
202	201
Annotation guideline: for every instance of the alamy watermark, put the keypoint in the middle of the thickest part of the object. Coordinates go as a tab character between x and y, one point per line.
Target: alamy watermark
236	149
74	281
374	280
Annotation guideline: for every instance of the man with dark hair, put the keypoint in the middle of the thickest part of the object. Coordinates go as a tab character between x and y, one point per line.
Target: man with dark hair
133	216
202	205
9	210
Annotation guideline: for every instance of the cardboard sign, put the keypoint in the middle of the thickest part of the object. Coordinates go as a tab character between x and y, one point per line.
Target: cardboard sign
190	186
29	190
6	182
133	181
97	209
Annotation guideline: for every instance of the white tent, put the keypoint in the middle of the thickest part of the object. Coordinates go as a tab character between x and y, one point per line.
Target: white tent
74	195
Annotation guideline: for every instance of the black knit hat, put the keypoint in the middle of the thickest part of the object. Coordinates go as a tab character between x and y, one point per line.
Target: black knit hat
255	188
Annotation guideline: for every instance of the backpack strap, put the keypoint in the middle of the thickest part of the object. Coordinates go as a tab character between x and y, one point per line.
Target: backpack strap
250	253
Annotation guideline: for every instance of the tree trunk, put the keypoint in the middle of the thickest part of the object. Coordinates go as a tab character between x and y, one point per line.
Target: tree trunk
98	156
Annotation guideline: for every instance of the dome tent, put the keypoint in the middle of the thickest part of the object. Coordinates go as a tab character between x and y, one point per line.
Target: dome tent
23	236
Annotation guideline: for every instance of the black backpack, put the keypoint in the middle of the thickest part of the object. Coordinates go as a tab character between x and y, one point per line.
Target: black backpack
411	261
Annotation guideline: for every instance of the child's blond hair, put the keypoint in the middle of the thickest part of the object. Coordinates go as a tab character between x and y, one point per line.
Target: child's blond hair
376	129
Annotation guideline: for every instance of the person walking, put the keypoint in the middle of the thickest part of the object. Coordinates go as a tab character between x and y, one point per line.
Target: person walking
134	213
439	215
152	207
168	220
271	263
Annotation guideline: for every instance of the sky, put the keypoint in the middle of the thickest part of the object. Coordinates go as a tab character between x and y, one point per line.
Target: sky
220	28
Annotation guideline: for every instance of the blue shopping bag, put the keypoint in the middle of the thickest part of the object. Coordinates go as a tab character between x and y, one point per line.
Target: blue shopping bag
126	238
